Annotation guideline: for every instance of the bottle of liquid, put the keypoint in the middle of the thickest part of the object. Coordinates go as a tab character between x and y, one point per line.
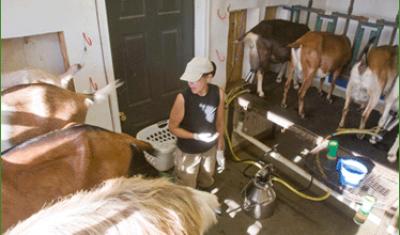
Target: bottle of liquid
330	163
362	214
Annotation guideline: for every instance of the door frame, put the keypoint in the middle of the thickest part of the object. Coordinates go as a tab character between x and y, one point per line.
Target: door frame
201	45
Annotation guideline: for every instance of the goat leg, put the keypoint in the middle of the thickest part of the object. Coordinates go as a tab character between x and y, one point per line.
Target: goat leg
259	83
373	101
392	155
282	70
287	84
302	92
333	84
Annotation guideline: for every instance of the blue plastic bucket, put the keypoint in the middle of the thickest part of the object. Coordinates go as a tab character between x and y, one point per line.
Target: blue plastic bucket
351	172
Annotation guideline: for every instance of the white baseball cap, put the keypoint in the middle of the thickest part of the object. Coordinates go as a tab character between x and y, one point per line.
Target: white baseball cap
196	68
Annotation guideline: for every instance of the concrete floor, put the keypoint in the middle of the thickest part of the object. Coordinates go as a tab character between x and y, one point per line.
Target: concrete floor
292	215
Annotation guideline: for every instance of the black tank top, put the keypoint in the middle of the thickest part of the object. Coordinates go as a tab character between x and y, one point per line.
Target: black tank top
200	117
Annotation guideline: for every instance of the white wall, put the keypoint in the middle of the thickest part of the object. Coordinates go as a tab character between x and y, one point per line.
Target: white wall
73	17
21	18
386	9
42	52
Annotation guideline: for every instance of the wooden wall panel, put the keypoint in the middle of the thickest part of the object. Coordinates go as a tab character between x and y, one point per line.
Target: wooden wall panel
234	63
270	13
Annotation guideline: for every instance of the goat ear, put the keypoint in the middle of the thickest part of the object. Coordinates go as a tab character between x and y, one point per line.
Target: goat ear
363	65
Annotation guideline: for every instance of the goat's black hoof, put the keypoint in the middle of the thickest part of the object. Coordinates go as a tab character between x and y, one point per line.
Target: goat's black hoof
284	106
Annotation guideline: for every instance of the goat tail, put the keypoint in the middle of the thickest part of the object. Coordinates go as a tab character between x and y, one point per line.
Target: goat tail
140	144
295	44
241	38
364	52
102	94
66	77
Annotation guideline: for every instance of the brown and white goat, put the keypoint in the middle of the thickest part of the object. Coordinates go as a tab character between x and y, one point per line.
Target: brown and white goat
316	54
268	42
34	109
28	76
375	75
64	161
127	206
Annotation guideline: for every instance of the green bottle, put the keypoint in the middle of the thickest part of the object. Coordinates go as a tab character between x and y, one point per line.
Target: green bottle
333	146
330	162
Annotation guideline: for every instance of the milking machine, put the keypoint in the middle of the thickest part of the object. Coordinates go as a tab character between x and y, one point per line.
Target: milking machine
259	195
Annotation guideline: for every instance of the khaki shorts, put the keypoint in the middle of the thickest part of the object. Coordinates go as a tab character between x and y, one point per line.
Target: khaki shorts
195	169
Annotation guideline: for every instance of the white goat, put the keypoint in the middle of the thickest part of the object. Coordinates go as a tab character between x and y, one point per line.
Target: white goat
127	206
373	76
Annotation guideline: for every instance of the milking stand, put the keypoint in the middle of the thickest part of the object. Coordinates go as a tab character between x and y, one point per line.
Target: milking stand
287	147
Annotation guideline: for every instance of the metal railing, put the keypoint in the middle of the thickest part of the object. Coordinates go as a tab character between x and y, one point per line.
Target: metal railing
365	27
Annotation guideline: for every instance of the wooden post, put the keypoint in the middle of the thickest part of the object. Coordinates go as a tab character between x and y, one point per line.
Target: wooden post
270	13
64	55
234	63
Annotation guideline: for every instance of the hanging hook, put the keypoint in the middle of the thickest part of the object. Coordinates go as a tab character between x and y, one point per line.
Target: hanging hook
219	56
87	39
223	17
93	85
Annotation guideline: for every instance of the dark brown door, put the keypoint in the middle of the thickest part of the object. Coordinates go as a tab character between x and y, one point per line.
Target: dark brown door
151	42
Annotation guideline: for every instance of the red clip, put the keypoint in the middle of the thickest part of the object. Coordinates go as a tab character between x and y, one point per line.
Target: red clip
221	17
88	40
219	56
93	85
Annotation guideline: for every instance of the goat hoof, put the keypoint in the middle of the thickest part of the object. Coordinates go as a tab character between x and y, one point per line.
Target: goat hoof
321	93
283	105
302	115
296	87
261	94
278	80
330	100
373	140
360	136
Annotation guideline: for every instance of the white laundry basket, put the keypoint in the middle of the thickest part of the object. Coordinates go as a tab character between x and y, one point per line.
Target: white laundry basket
164	143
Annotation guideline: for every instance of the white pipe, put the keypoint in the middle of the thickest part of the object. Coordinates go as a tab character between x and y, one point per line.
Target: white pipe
286	162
